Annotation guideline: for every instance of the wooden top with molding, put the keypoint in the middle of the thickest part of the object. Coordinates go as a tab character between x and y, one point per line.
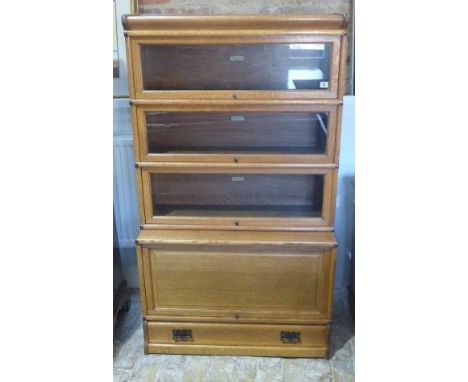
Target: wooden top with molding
175	236
199	25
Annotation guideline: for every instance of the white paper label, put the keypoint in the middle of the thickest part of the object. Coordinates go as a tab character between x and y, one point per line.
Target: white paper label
237	178
236	58
323	84
237	118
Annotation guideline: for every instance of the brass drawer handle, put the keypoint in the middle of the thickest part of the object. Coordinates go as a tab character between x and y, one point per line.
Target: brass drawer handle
180	335
291	337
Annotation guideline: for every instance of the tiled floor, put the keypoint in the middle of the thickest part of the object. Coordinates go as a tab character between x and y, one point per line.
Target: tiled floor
131	365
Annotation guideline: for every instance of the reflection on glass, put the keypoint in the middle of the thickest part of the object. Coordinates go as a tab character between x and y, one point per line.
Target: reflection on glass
250	133
303	79
232	195
236	67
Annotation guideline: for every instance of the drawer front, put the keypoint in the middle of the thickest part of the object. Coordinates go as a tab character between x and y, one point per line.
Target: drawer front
237	136
234	198
239	283
237	335
167	68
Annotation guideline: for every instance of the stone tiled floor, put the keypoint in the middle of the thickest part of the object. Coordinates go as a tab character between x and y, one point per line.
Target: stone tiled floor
131	365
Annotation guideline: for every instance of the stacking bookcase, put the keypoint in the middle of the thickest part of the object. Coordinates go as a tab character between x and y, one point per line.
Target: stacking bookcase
236	123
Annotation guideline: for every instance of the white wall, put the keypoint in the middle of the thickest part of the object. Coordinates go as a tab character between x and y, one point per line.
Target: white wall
344	213
125	191
125	198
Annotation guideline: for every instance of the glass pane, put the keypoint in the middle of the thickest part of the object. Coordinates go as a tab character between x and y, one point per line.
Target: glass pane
249	195
236	67
254	133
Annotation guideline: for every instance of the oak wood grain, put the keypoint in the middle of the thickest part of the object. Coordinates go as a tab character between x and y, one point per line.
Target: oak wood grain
151	237
231	339
263	283
198	24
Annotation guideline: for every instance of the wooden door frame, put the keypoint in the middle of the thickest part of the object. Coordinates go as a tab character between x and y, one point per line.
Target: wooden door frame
325	222
328	157
136	84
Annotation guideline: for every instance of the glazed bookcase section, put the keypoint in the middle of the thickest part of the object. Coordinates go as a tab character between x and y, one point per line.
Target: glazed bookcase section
265	134
234	58
238	196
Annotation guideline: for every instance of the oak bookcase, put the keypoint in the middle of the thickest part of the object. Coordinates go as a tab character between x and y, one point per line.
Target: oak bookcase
236	123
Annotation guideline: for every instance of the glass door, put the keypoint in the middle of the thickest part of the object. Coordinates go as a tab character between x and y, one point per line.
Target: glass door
243	197
238	136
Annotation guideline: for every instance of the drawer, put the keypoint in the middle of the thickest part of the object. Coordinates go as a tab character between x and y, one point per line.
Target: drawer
238	196
237	282
284	133
232	58
218	338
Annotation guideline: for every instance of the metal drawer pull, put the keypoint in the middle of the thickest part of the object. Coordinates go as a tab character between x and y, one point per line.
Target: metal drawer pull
291	337
182	335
